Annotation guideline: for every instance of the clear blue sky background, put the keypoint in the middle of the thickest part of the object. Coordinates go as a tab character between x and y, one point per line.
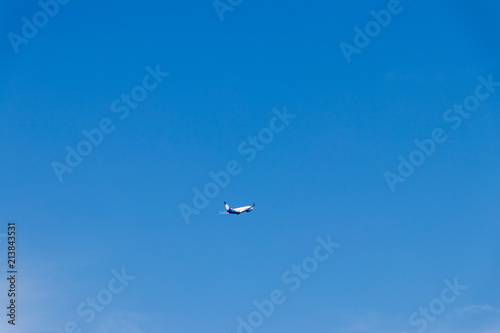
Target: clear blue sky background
323	175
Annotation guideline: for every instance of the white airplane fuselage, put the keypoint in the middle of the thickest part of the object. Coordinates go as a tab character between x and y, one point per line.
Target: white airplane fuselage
239	210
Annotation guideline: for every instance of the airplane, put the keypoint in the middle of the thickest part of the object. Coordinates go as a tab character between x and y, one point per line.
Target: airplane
238	210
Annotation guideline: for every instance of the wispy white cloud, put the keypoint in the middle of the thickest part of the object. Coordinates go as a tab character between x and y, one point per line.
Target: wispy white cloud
480	319
478	309
369	322
125	322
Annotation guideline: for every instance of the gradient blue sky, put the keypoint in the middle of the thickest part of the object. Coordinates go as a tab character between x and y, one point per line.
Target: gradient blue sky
322	175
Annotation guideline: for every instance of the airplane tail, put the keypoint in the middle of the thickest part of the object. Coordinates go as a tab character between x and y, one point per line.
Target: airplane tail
227	206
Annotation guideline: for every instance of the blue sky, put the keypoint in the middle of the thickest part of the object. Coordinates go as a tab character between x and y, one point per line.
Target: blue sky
321	176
